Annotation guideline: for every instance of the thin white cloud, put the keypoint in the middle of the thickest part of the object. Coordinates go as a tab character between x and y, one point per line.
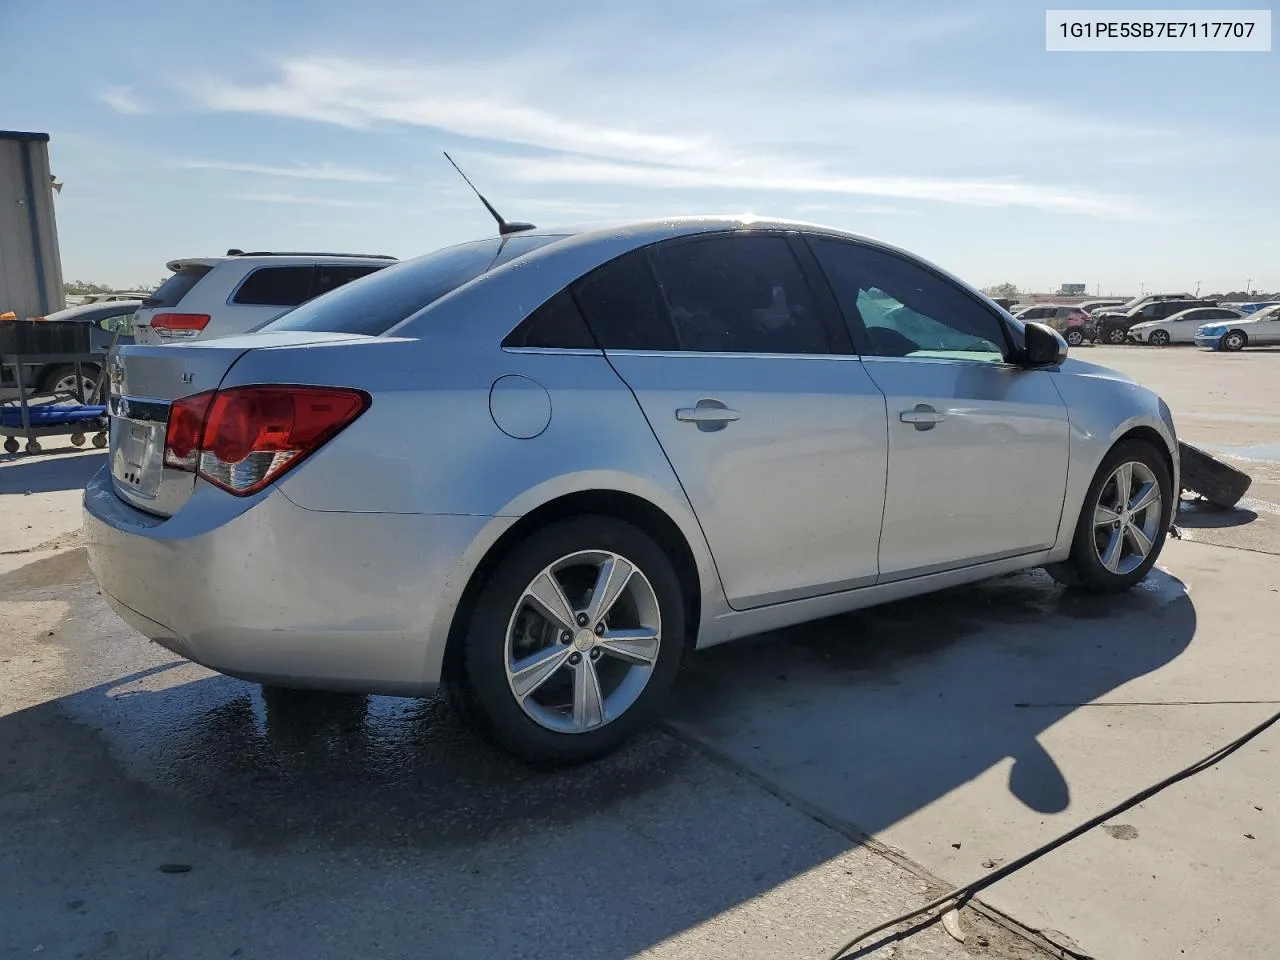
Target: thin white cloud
765	142
291	198
358	95
119	99
970	192
300	171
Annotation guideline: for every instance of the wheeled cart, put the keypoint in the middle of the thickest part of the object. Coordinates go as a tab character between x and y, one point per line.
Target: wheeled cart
55	414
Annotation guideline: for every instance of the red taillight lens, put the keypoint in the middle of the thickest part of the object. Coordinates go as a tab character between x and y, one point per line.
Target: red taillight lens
247	437
180	323
186	425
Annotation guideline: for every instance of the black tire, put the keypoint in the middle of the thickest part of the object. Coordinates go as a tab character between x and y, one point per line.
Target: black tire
88	375
1074	338
1233	340
1220	484
99	440
1115	335
77	439
1083	568
11	445
33	446
1158	338
485	698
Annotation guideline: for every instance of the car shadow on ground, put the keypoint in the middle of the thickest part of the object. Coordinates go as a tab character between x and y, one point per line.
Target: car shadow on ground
161	761
1202	515
19	474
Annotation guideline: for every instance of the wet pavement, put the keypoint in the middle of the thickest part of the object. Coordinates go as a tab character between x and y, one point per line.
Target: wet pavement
151	808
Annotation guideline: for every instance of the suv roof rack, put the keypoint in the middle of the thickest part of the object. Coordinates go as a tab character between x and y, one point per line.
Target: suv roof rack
304	253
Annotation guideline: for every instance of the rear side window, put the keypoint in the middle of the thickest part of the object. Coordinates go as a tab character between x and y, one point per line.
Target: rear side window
331	276
379	302
739	294
276	287
557	324
624	306
171	292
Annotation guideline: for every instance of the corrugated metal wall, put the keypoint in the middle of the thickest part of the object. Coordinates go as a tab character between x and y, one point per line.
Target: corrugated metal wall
30	267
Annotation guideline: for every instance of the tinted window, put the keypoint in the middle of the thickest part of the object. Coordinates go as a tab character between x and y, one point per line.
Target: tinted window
330	277
738	294
169	293
907	310
276	287
378	302
1214	314
624	306
557	323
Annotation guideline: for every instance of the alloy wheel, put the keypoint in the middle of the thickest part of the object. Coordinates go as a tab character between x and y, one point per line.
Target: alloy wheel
1126	518
582	642
1159	338
67	384
1075	338
1233	341
1116	335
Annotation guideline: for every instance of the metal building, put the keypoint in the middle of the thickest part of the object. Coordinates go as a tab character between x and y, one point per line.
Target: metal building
30	267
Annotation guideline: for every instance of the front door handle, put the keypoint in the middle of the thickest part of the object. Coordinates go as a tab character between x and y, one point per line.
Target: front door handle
708	415
923	417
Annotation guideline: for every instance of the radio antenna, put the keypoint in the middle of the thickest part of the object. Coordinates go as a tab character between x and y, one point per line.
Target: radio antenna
504	228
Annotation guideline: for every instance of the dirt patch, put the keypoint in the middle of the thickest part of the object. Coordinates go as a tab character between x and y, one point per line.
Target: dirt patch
1121	831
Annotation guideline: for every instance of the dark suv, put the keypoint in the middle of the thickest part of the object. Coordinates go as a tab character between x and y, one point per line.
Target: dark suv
1113	327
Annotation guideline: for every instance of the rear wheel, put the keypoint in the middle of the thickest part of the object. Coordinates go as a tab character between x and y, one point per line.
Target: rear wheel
573	641
62	379
1234	340
1116	335
1124	521
1158	338
1074	338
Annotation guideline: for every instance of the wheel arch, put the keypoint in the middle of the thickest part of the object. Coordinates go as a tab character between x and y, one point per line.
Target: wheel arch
622	505
1153	437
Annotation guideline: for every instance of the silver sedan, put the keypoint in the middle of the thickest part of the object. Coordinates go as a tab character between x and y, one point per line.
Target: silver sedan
539	469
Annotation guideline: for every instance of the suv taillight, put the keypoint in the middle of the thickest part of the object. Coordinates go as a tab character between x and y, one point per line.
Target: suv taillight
244	438
179	324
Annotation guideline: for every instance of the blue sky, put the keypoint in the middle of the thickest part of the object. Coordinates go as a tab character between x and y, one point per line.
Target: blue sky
946	128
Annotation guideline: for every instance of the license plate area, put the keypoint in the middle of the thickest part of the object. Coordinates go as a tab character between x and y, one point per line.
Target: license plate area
137	445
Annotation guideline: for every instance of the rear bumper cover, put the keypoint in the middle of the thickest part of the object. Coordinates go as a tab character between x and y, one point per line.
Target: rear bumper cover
272	592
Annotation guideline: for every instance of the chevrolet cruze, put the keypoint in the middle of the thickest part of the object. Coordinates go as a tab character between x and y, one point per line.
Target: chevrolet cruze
539	469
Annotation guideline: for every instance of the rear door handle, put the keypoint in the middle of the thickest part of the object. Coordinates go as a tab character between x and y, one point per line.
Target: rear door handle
923	417
708	415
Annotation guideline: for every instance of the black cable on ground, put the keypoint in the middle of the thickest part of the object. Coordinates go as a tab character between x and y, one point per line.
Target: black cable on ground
961	894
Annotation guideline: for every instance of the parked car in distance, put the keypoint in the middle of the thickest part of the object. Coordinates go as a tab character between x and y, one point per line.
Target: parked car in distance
1114	327
89	298
1181	327
1256	330
1075	325
110	315
539	469
1254	307
220	296
1091	306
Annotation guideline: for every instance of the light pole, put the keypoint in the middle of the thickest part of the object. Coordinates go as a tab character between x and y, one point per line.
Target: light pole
1197	288
1248	284
1142	289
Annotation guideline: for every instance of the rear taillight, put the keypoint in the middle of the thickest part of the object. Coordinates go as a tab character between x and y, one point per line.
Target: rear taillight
244	438
179	324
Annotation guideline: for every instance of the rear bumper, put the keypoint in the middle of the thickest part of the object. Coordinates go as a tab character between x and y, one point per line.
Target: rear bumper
273	592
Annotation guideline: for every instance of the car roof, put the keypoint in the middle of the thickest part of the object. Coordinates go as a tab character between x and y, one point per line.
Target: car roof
282	259
101	309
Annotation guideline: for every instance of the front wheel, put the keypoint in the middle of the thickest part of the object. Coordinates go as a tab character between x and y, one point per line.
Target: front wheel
1116	335
1234	340
572	642
1158	338
1123	523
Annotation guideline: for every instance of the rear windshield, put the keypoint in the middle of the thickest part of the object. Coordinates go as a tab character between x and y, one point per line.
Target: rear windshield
169	293
374	304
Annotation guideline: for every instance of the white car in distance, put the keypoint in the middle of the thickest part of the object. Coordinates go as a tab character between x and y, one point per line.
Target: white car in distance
210	297
1181	327
1255	330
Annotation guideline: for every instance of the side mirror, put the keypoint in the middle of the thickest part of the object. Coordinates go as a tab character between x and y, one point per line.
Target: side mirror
1044	346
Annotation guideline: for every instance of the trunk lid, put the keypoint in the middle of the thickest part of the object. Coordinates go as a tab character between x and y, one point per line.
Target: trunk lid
145	380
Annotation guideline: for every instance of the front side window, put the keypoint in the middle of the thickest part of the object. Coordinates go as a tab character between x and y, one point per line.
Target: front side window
906	310
739	294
